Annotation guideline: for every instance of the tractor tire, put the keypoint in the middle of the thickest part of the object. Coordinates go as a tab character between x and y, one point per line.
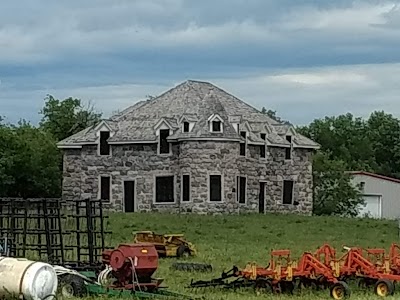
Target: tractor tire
287	287
384	288
263	286
183	251
340	290
71	286
190	267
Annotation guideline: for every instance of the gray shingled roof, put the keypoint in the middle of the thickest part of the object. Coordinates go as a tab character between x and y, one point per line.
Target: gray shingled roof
193	101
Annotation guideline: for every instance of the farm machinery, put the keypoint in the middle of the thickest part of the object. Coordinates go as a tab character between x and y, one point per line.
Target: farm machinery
167	245
70	235
173	245
321	270
127	272
371	267
281	275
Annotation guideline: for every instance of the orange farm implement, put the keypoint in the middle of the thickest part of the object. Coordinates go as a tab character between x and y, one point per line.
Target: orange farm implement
371	267
322	270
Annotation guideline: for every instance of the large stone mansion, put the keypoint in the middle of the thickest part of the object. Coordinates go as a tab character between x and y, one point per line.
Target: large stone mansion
195	148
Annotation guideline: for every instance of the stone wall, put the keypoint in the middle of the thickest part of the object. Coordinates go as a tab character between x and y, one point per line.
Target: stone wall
83	168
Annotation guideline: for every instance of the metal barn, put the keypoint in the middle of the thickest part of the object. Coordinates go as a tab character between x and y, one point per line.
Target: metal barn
381	195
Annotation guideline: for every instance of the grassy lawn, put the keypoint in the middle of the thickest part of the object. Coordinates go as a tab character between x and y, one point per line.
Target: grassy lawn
224	241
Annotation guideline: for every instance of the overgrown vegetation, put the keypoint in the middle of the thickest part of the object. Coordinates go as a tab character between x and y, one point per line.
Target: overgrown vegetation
31	164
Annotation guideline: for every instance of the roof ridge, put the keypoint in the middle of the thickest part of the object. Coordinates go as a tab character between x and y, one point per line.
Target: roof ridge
198	81
375	175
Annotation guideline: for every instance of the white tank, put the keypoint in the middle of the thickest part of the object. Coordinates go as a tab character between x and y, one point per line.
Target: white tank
30	279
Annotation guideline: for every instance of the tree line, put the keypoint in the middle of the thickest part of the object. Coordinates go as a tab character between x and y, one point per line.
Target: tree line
31	164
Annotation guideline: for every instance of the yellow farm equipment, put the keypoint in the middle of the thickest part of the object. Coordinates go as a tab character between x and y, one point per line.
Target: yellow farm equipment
167	245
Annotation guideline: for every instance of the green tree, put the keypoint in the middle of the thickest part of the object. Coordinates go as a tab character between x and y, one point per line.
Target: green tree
345	146
6	146
384	138
272	114
334	193
28	162
66	117
343	138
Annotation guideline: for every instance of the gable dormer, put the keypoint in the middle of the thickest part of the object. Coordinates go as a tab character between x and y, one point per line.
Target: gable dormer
267	129
187	123
163	129
103	133
290	133
244	130
216	123
235	121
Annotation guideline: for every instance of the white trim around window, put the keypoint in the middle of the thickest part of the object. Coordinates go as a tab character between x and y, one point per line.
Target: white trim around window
155	176
190	188
238	189
283	190
209	187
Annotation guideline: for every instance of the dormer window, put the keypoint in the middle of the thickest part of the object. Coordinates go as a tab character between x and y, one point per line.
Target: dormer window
262	147
216	126
164	145
163	130
185	126
243	144
216	123
104	146
288	151
103	134
187	122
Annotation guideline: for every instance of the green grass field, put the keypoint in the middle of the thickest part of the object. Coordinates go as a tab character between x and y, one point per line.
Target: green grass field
224	241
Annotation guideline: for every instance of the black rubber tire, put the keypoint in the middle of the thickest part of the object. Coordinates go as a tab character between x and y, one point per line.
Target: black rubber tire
288	287
182	250
76	286
263	286
387	285
340	290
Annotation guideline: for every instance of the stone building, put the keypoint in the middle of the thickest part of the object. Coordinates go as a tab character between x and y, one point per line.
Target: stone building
195	148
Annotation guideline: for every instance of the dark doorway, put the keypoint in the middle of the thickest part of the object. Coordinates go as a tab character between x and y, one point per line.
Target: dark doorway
261	198
129	195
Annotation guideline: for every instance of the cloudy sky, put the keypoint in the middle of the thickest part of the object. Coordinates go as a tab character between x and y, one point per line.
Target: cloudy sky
303	58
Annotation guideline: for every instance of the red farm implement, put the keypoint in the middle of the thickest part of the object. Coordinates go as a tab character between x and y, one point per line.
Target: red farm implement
371	267
281	275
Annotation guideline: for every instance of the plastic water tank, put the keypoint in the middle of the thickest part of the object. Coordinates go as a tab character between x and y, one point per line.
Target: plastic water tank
31	279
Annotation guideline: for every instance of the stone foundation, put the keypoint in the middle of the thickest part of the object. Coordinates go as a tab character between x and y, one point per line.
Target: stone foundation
83	168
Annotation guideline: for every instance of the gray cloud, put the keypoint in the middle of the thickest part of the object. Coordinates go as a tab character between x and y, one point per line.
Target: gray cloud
77	27
299	57
298	95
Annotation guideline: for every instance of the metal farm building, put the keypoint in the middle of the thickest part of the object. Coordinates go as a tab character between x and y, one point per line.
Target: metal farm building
381	195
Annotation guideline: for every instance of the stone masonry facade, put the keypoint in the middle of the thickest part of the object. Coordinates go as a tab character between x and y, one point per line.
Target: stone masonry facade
141	163
194	148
